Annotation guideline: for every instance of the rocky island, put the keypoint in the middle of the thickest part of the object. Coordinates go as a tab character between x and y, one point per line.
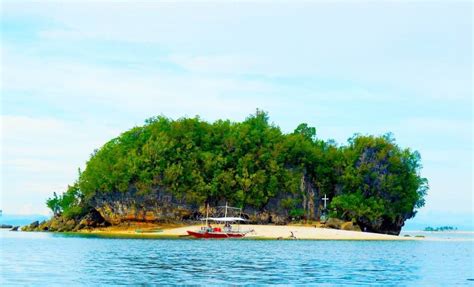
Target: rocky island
167	171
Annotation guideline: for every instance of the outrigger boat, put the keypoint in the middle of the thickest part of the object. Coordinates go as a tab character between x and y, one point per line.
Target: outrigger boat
224	228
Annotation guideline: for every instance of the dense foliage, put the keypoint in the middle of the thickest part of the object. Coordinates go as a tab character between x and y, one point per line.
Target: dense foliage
69	204
251	162
379	180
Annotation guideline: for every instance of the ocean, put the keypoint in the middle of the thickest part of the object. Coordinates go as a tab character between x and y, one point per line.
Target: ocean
40	259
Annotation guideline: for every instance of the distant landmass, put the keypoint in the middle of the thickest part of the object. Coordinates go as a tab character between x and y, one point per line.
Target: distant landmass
170	170
20	220
462	221
441	228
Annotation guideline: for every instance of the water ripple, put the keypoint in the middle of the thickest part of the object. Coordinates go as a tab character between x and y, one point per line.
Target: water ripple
45	259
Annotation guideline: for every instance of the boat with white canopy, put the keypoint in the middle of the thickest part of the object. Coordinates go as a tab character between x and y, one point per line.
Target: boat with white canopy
223	226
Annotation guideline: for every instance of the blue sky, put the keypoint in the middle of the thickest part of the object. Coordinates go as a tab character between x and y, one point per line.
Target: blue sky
75	75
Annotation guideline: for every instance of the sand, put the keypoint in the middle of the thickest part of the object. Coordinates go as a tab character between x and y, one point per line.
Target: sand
258	232
300	232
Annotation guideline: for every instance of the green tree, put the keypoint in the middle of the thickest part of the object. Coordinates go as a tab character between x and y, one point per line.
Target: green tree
381	183
307	131
53	203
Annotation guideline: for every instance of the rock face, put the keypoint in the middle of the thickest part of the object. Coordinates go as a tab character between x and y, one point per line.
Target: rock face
382	225
159	206
91	220
350	226
115	208
34	224
309	194
118	207
334	223
61	224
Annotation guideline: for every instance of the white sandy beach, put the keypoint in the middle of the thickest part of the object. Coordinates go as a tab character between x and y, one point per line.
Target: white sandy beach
305	232
300	232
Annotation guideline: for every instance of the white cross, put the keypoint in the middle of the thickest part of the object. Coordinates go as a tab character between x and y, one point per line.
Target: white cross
325	199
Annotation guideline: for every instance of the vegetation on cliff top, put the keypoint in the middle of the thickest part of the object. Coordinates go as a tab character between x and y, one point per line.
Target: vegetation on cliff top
251	162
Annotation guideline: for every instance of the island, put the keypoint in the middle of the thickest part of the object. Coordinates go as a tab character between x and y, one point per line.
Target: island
440	228
163	175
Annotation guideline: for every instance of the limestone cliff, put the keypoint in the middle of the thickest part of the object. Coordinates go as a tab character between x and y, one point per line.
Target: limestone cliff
160	206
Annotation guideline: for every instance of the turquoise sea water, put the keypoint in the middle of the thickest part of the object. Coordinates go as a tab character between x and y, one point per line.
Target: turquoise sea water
55	259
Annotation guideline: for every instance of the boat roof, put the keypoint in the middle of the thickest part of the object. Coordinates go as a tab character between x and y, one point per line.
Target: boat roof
226	219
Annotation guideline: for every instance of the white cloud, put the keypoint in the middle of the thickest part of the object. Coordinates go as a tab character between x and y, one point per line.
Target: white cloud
41	155
427	54
375	65
76	85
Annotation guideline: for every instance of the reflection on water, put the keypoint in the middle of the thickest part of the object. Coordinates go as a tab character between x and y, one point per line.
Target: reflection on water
43	259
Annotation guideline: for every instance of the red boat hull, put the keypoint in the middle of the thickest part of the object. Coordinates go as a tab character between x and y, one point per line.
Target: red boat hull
215	234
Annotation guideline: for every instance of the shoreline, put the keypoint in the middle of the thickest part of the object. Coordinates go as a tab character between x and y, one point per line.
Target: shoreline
260	232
